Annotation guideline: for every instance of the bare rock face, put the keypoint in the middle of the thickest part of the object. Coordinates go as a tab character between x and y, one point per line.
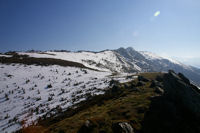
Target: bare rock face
122	127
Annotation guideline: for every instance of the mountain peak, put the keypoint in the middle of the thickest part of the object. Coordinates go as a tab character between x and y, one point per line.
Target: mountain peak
130	49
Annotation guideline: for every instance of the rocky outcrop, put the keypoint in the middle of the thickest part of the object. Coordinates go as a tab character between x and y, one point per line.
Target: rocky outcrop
156	83
176	109
179	90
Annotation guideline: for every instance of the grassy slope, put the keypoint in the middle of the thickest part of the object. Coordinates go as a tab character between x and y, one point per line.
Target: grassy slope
128	105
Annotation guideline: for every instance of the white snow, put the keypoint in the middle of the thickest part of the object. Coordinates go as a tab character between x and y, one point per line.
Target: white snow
3	55
123	77
24	88
150	56
103	61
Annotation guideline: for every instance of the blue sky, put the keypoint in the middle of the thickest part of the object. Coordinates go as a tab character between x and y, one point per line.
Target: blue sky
166	27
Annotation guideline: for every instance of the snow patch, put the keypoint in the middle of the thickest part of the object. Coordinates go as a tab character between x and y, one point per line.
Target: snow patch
3	55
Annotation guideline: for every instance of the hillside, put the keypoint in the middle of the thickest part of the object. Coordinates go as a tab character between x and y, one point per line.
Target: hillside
45	86
31	88
154	103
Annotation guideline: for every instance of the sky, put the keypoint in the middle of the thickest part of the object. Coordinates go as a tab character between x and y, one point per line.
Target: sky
166	27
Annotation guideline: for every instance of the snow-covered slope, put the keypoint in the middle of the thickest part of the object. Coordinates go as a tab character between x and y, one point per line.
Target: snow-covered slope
150	56
104	61
28	92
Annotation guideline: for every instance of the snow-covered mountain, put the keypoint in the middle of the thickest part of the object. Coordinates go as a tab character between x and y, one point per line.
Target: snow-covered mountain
125	60
34	84
149	62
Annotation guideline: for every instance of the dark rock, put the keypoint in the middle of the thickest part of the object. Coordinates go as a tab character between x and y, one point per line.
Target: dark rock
159	90
102	132
133	85
87	127
115	89
177	110
186	80
178	90
61	131
155	83
140	83
122	127
195	88
135	89
141	78
127	86
114	82
171	71
159	78
173	74
141	110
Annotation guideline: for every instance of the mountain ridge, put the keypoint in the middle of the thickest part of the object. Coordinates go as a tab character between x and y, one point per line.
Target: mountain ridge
126	60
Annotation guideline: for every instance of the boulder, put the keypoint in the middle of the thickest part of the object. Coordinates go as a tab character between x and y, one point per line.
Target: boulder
159	90
155	83
122	127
